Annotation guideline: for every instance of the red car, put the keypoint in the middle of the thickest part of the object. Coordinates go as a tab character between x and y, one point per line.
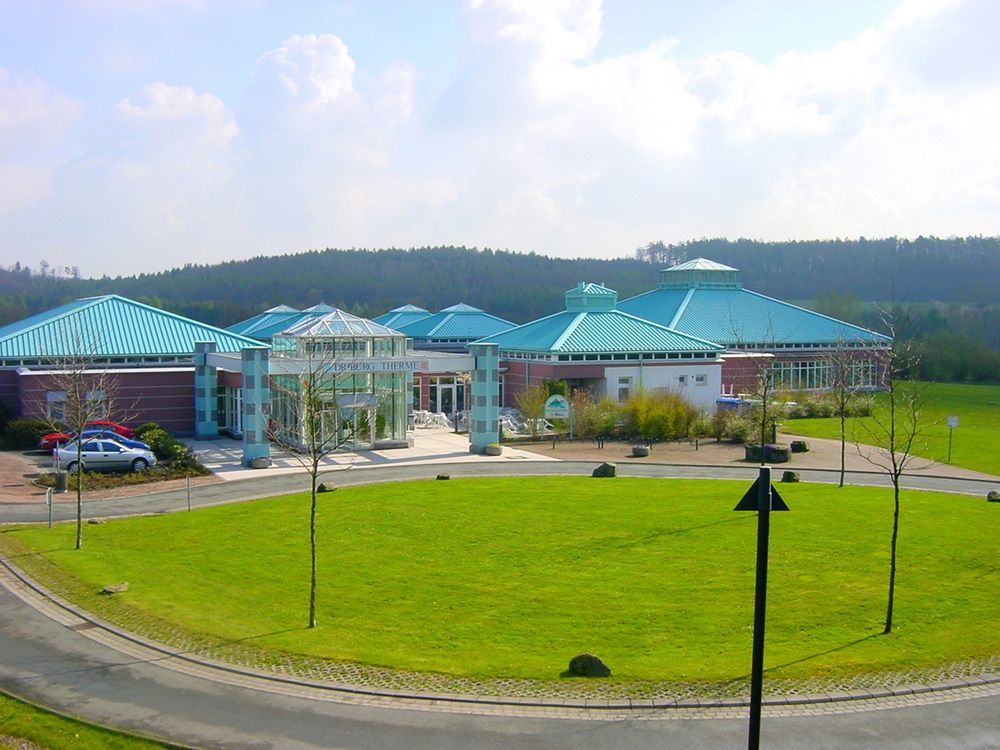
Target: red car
50	440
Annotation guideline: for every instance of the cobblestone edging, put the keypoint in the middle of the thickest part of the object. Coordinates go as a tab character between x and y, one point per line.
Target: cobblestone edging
586	694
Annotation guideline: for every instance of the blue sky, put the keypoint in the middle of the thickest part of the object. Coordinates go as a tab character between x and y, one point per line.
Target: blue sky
139	135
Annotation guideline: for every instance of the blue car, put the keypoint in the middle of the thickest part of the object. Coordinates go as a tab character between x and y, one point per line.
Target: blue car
112	435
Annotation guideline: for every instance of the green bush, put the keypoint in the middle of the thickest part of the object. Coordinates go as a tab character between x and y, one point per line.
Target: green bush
592	419
660	415
702	426
166	447
144	428
738	429
23	434
160	442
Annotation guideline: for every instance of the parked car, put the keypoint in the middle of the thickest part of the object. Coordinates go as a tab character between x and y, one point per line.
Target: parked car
105	434
104	455
52	439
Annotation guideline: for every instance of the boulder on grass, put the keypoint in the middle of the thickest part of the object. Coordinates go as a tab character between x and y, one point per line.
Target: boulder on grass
789	476
114	588
444	476
607	469
588	665
993	496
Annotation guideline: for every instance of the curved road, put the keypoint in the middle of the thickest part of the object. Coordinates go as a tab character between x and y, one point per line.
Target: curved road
48	659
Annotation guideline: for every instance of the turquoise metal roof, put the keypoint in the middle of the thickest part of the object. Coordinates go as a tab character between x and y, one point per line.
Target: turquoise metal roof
707	299
738	317
591	324
111	326
267	324
263	327
401	316
608	331
456	322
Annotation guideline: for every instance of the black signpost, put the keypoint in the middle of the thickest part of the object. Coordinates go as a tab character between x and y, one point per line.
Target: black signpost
763	498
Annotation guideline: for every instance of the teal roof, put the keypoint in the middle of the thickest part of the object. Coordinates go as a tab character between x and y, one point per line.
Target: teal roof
456	322
608	331
604	330
738	317
402	316
265	325
111	326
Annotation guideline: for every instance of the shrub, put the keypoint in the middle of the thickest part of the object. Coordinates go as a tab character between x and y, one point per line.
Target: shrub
590	419
160	442
23	434
144	428
659	414
702	426
737	429
168	448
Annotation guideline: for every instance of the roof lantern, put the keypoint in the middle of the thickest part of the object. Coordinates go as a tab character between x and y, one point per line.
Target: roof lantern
587	297
408	309
322	307
281	309
700	273
337	324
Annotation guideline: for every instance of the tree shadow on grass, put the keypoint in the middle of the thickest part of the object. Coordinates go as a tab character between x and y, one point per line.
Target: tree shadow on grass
662	533
810	657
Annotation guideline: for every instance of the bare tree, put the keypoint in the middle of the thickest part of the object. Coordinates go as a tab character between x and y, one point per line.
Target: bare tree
307	419
80	389
894	431
848	376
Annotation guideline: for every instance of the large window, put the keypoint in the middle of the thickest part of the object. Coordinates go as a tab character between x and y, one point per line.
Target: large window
815	374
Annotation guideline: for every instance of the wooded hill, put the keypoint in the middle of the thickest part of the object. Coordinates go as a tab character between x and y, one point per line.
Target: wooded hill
927	269
522	287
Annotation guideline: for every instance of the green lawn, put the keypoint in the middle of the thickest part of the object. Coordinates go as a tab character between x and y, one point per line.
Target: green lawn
513	576
976	440
23	721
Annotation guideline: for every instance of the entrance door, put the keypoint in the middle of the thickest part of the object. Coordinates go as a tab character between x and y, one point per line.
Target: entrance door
446	397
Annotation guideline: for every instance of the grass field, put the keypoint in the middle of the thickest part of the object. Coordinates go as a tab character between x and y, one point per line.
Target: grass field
513	576
975	442
52	732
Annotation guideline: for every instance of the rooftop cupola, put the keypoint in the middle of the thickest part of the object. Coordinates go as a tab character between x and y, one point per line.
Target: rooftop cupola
591	298
700	273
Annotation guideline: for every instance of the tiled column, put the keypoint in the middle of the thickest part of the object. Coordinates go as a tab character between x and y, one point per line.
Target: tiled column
256	405
206	391
484	426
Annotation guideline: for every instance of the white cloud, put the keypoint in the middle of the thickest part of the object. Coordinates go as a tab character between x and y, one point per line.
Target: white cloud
536	142
313	70
177	106
34	123
32	114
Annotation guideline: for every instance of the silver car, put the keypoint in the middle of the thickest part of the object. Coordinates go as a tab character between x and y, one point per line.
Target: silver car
104	455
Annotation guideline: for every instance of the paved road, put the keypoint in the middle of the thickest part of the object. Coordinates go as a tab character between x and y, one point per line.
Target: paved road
45	661
264	486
